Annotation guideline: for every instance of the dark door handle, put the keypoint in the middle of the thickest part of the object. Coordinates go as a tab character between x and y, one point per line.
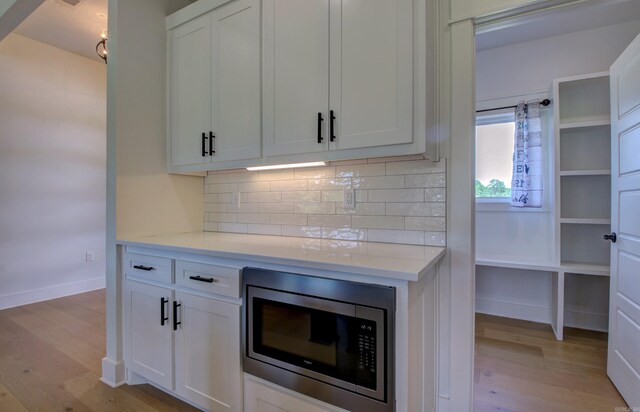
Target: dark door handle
212	150
163	318
142	267
332	137
175	315
612	237
201	279
204	143
320	119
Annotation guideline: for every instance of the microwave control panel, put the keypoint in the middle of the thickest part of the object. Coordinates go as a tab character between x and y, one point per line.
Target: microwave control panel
367	351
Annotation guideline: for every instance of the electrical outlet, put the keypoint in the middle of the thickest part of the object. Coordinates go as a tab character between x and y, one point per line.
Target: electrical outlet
90	256
235	199
349	199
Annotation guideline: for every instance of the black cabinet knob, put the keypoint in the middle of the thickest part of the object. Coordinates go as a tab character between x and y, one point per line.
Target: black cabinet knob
612	237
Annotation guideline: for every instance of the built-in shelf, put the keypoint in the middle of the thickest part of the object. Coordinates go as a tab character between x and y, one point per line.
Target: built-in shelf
599	172
585	221
585	197
517	264
585	269
583	187
589	122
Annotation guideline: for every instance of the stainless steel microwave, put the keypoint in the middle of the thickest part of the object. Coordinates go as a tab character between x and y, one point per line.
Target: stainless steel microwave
330	339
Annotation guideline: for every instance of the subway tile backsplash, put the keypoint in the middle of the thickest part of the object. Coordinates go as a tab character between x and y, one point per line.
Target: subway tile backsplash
397	201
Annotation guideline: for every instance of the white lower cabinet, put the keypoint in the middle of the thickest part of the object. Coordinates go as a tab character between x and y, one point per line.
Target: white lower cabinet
150	344
261	396
187	343
208	353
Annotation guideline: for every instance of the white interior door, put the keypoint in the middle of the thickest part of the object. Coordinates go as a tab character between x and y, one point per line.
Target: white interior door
623	365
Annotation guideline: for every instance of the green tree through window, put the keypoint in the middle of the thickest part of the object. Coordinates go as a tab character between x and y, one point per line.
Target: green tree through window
495	188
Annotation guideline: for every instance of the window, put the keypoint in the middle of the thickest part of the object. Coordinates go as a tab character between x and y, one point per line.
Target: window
494	156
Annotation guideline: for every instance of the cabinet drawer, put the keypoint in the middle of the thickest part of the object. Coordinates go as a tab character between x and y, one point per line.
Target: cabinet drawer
222	280
148	267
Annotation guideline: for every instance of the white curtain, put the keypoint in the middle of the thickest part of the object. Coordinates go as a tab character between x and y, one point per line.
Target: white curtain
526	183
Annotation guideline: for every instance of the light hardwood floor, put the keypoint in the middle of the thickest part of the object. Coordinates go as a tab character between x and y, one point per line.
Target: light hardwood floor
50	360
521	367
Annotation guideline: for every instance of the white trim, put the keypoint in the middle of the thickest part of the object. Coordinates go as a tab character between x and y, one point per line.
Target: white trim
112	373
572	316
503	204
51	292
514	310
586	320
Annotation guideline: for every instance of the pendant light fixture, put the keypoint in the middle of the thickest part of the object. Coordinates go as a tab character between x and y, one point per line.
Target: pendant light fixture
101	47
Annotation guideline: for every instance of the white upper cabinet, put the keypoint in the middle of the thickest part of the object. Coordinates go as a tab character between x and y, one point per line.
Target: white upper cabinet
215	86
337	74
371	72
256	82
296	76
190	91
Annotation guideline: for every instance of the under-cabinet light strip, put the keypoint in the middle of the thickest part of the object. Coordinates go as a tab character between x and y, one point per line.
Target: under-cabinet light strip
287	166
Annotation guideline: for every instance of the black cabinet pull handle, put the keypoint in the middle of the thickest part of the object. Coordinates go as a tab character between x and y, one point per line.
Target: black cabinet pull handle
175	315
204	150
163	318
612	237
320	119
201	279
211	148
142	267
332	117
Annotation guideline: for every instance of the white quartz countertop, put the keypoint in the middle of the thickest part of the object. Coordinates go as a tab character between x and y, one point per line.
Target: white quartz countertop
388	260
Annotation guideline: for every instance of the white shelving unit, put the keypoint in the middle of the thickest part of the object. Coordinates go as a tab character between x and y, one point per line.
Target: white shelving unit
583	182
581	209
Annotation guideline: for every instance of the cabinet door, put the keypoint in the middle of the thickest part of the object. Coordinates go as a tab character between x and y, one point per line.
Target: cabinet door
190	91
371	72
149	343
208	353
236	80
296	75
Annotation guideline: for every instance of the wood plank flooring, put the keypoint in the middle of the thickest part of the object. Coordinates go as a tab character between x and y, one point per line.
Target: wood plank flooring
50	360
521	367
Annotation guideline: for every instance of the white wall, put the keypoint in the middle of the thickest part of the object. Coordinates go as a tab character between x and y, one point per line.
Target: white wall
52	172
148	200
503	76
530	67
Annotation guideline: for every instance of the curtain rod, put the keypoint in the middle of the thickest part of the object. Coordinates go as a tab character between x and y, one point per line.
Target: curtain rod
545	102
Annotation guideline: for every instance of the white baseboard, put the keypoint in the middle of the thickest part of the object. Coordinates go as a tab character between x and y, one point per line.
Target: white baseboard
572	316
586	320
112	372
51	292
513	310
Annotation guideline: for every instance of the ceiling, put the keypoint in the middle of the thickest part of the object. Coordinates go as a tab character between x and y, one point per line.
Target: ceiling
589	15
73	28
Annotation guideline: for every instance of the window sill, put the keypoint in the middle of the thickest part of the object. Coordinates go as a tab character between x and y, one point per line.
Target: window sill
502	204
